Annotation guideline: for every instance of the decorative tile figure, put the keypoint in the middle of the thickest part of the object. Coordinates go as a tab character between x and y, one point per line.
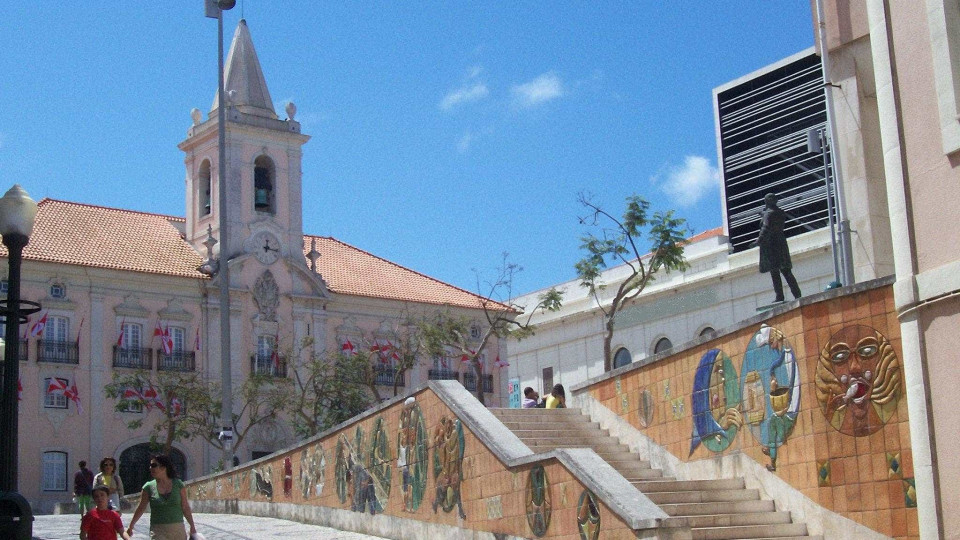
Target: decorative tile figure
676	405
412	454
494	507
342	470
378	465
361	479
894	465
538	504
646	408
312	471
262	483
859	380
624	403
588	516
287	477
448	443
770	385
823	473
910	492
715	402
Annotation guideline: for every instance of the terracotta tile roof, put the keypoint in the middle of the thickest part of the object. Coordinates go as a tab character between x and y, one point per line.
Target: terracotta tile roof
96	236
349	270
86	235
709	233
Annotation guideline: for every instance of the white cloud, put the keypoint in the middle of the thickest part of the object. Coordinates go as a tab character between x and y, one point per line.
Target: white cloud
464	143
540	90
464	94
686	184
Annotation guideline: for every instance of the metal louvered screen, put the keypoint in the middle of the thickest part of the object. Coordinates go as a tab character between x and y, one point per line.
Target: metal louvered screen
763	126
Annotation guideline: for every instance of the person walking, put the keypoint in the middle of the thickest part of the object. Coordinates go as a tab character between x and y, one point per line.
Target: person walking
102	523
167	497
774	251
557	398
109	477
82	488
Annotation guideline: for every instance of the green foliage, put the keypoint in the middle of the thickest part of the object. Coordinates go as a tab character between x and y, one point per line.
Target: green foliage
261	397
330	389
616	243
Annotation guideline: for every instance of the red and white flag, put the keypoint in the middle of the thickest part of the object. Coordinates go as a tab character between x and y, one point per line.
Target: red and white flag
166	342
501	363
348	348
150	396
393	351
56	386
123	323
132	394
37	328
275	358
176	406
26	329
74	395
80	331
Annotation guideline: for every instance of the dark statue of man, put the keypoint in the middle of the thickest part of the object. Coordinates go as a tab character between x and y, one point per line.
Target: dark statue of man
774	253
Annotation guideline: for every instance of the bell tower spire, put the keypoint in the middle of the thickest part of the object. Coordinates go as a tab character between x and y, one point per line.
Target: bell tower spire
263	157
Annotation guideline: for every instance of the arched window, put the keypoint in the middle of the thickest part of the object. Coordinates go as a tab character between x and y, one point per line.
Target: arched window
263	185
203	188
621	357
707	331
662	345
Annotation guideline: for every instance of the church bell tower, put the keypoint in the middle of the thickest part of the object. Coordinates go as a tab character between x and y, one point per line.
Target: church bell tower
263	157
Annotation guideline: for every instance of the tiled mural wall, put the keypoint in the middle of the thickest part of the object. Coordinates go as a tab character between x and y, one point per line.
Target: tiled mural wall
815	394
417	460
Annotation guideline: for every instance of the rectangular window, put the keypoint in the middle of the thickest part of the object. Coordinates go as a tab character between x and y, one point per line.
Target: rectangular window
57	329
547	380
54	471
176	335
265	346
54	398
132	333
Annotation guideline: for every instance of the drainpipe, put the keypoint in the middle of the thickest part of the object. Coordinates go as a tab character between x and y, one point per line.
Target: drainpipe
843	222
929	508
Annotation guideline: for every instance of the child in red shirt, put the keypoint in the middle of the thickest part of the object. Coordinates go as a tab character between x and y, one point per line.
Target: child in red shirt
101	523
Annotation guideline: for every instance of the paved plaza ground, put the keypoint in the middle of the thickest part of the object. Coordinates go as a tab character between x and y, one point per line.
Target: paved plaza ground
212	526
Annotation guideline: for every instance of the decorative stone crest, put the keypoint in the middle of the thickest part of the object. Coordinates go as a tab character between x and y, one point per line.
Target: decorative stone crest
266	293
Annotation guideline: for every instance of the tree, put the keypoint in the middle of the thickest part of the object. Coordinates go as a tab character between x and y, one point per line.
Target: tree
618	243
329	389
190	407
460	334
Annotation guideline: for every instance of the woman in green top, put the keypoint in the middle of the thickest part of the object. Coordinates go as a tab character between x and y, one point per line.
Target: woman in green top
168	502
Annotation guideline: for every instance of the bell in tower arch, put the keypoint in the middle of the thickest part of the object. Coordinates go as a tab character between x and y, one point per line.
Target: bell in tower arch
263	185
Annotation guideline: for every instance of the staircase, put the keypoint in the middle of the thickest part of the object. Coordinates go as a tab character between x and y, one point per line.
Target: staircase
715	509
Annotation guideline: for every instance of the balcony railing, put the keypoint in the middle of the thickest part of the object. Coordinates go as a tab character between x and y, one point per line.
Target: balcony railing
443	375
58	352
176	361
132	358
263	365
470	382
385	376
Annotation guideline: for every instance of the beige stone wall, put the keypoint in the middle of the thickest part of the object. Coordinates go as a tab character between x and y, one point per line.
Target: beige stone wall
494	496
865	476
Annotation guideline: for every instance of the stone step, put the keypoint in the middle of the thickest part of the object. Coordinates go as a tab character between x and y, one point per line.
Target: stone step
790	538
611	449
716	495
514	425
689	485
594	434
749	531
746	518
529	413
569	438
712	508
638	473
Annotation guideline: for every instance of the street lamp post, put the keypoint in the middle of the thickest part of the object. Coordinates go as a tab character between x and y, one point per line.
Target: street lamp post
17	215
215	9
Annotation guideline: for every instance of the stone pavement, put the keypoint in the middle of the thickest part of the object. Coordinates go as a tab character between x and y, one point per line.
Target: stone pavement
211	526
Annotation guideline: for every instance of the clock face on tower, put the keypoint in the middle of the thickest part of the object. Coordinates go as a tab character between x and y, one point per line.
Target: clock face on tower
266	247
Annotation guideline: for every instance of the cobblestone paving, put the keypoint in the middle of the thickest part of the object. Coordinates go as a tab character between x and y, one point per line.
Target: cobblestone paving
211	526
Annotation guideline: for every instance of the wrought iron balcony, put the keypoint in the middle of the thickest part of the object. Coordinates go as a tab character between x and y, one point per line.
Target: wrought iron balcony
133	358
443	375
470	382
264	365
176	361
57	352
385	375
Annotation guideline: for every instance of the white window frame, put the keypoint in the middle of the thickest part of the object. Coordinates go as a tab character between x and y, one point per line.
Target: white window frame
54	471
132	335
53	400
177	336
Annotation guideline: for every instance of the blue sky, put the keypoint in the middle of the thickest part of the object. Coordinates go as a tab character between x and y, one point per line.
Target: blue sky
443	133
